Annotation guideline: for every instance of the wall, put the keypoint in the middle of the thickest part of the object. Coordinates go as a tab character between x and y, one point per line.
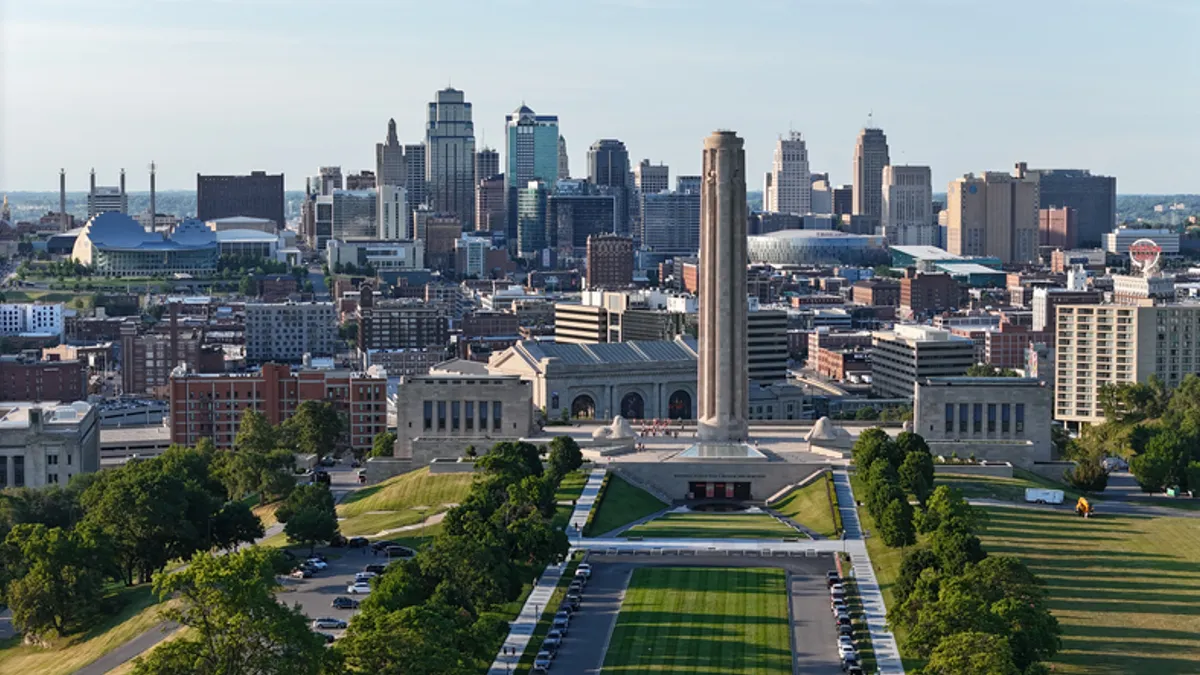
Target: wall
1001	470
765	477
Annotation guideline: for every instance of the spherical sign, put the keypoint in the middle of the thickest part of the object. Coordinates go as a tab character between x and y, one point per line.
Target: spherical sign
1144	253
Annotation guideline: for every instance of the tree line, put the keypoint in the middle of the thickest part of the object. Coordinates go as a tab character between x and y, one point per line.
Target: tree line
964	611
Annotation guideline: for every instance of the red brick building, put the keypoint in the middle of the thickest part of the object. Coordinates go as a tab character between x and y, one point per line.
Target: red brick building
211	406
609	261
1058	227
277	287
1005	347
876	292
28	379
838	364
925	293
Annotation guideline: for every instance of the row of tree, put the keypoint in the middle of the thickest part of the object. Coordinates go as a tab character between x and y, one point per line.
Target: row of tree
892	470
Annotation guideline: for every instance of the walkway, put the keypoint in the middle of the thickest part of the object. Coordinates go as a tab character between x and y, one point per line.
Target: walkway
887	653
521	629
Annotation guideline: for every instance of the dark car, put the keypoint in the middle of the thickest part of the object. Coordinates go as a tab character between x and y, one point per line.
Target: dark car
358	542
849	663
831	578
342	602
380	545
397	551
574	600
328	637
845	629
561	623
328	461
375	567
553	641
855	671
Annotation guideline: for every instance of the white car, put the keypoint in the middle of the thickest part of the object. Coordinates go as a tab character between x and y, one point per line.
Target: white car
328	622
317	563
845	650
584	570
364	576
359	587
837	588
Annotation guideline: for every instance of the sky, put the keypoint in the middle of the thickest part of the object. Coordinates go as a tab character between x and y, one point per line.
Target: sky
230	86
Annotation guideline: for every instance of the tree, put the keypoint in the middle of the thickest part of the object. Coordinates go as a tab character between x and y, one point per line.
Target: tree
873	444
916	473
235	524
248	287
384	444
866	413
1164	462
914	562
1193	476
988	370
512	460
59	579
314	428
308	515
946	504
565	456
971	652
236	626
896	524
1133	401
255	434
1088	475
956	547
426	639
1061	439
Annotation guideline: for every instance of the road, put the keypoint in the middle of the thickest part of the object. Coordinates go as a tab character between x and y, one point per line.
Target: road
813	632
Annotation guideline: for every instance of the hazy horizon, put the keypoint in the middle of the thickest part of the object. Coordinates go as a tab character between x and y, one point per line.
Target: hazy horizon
207	86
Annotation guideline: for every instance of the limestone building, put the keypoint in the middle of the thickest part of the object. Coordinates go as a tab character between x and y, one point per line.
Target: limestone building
993	418
911	353
45	443
995	214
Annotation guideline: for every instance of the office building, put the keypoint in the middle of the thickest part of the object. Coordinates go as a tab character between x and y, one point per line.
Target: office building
608	168
355	215
671	222
487	164
1112	344
650	178
564	162
1058	227
415	183
102	199
789	186
363	180
401	324
876	292
442	230
24	378
392	213
906	215
922	294
909	354
390	168
1118	241
609	261
995	214
258	195
31	318
328	179
383	256
450	156
998	419
1094	199
471	256
490	213
533	235
531	154
870	156
766	344
44	444
288	331
212	405
576	217
842	197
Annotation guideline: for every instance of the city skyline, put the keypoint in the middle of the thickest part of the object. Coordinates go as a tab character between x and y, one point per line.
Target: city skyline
982	122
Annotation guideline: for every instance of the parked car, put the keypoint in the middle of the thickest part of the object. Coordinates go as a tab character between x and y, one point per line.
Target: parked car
855	670
364	576
317	563
358	542
543	659
845	629
576	586
359	587
563	614
329	638
342	602
560	625
838	605
328	461
328	622
574	600
300	573
837	588
831	578
845	650
402	552
850	662
380	545
553	640
375	567
584	569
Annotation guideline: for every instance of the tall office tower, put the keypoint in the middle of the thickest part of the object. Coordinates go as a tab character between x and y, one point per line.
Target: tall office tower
329	178
870	156
564	162
1094	199
392	212
790	187
532	228
490	215
389	159
822	194
487	164
609	261
1059	227
363	180
322	230
576	215
531	154
843	200
650	178
259	195
723	375
995	215
415	184
354	214
687	184
671	222
107	198
608	167
907	216
450	156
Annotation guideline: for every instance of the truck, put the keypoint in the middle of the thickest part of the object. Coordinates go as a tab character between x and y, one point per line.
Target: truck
1043	496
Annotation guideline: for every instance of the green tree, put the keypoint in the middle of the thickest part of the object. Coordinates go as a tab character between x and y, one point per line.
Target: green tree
1088	474
947	504
916	473
308	515
956	547
565	456
236	626
1164	462
896	524
314	428
988	370
914	562
512	461
248	287
971	652
58	582
873	444
235	524
255	434
384	444
426	639
866	413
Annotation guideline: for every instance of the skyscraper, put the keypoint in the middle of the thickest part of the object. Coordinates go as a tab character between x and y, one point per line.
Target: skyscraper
531	153
907	217
450	156
259	195
789	185
870	156
1094	199
723	371
392	213
329	178
415	186
671	222
389	159
609	261
651	178
564	162
608	167
487	164
995	214
532	231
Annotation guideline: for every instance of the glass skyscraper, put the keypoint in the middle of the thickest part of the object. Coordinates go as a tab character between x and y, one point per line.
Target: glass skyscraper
531	154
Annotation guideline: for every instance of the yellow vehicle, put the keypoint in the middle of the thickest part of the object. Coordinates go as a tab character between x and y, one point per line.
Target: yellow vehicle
1084	508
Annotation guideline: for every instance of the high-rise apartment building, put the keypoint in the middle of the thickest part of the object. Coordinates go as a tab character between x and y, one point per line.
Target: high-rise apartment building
401	324
994	215
354	214
288	331
609	261
533	234
564	162
450	155
671	222
907	213
31	318
650	178
389	159
1058	227
767	344
1113	344
1094	199
910	354
870	156
103	198
789	186
608	167
258	195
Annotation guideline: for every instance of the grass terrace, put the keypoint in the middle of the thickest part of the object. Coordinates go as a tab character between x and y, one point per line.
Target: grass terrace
810	506
621	504
702	621
713	526
406	499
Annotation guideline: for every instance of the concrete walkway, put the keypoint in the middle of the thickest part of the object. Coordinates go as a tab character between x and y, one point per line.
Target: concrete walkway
887	653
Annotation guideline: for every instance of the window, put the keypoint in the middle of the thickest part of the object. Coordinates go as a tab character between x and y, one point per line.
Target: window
51	479
978	410
497	420
483	415
962	418
949	418
1020	428
3	471
991	418
52	460
18	471
1005	409
441	409
554	401
469	407
455	408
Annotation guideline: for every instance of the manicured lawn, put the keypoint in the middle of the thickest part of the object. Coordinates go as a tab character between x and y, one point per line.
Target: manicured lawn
413	489
713	526
1005	489
702	621
568	490
1125	590
139	614
810	506
370	524
622	504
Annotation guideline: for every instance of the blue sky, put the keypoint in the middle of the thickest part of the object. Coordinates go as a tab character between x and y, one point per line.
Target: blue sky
226	86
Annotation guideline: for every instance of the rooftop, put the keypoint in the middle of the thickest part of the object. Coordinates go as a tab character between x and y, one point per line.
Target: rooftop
614	353
965	381
925	252
15	415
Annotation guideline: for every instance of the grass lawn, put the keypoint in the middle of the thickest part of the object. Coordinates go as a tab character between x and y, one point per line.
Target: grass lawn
266	513
810	506
1126	590
403	500
1004	489
700	621
622	504
139	614
713	526
568	490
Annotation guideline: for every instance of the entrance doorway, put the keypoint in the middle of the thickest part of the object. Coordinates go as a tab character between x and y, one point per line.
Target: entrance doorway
735	490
